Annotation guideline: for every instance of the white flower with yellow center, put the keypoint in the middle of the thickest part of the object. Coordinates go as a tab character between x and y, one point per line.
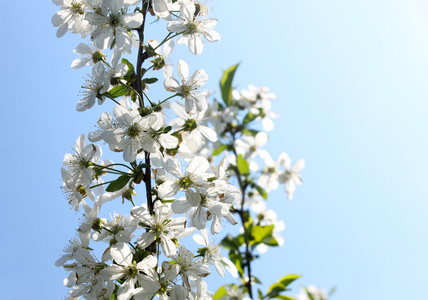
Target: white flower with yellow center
160	227
131	134
113	26
193	28
188	87
70	17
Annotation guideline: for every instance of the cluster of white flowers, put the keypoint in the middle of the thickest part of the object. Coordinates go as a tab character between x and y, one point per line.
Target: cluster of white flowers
167	146
131	266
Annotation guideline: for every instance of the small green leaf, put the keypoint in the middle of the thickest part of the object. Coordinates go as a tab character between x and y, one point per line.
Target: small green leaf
261	233
260	294
261	191
119	183
119	91
311	297
243	165
251	132
287	279
249	117
150	80
130	66
270	241
226	84
283	297
221	292
219	150
280	286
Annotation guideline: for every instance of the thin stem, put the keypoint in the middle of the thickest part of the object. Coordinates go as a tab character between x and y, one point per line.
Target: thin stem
111	169
148	182
150	100
91	187
120	165
248	256
141	57
177	94
168	37
139	87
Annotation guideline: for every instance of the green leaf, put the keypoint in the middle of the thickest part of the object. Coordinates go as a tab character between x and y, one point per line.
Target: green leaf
119	91
226	84
221	292
219	150
260	294
287	279
311	297
231	242
243	165
285	297
251	132
271	241
249	117
130	66
261	191
119	183
261	233
150	80
280	286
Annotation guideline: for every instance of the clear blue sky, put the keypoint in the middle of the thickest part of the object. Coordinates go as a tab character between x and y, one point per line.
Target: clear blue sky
350	79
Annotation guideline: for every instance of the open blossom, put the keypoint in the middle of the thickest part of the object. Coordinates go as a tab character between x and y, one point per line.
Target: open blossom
124	267
75	193
130	134
159	227
273	170
94	87
79	164
71	251
193	28
188	87
85	278
70	17
190	268
212	254
195	176
291	177
90	221
90	56
113	24
193	126
164	277
119	229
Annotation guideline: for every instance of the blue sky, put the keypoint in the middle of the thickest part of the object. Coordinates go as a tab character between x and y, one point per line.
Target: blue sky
350	79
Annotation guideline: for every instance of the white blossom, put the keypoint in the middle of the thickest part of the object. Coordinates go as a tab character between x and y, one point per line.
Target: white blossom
160	227
193	28
113	25
188	88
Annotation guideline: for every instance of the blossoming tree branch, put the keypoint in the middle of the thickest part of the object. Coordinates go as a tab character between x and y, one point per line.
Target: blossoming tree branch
198	165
